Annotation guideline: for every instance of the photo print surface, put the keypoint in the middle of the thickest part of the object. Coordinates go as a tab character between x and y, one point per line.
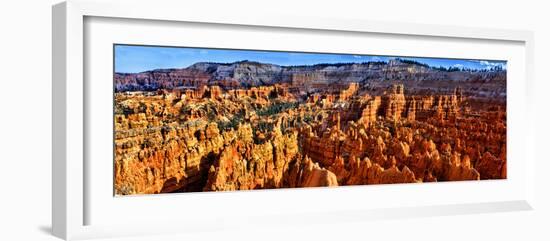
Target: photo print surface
201	119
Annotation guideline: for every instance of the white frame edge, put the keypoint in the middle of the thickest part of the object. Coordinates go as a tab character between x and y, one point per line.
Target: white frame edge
59	77
68	104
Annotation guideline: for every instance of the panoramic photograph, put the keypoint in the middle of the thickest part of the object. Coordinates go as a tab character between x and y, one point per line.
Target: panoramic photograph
202	119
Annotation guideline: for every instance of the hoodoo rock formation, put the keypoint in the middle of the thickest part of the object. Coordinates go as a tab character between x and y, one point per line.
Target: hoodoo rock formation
247	126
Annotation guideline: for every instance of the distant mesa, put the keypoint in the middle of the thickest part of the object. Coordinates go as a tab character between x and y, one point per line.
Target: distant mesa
248	73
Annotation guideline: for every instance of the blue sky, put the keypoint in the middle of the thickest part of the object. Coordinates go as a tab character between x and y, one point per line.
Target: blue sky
134	59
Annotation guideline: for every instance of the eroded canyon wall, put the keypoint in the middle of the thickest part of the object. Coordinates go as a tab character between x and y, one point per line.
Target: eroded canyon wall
212	139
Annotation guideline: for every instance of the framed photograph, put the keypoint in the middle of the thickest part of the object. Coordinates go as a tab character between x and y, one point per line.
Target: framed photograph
280	120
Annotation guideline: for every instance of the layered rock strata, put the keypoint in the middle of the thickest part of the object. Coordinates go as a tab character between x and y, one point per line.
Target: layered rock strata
215	138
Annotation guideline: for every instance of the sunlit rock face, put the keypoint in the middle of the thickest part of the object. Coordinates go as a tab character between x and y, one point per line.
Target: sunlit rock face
248	126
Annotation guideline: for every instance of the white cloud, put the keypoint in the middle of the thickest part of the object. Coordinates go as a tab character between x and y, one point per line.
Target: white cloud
458	65
489	65
376	58
484	62
357	56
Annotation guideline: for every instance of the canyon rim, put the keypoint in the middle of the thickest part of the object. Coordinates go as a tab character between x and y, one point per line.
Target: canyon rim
197	119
